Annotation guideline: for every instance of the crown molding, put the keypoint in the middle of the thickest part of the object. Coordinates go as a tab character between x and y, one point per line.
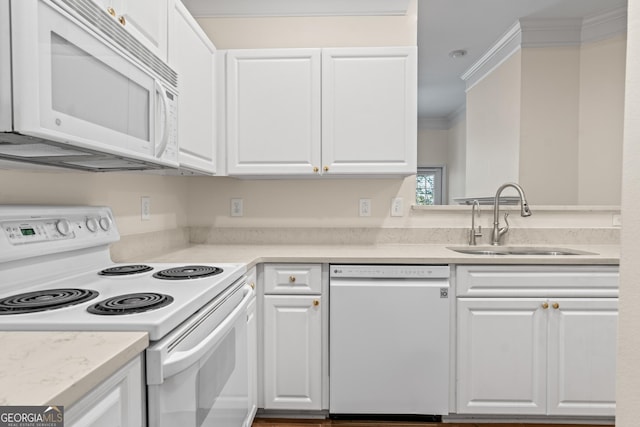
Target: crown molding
272	8
502	50
539	33
604	25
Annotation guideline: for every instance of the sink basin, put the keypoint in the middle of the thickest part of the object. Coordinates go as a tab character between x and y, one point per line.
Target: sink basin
517	250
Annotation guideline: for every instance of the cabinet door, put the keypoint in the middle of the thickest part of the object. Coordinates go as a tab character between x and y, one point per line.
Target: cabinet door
582	356
147	21
369	110
118	401
502	353
273	111
292	352
191	55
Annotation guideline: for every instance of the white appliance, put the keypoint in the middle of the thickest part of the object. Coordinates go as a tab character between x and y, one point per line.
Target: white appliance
389	340
78	91
56	274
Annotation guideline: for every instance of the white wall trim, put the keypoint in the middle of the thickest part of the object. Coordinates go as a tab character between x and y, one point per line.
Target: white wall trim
256	8
551	32
539	33
604	25
506	46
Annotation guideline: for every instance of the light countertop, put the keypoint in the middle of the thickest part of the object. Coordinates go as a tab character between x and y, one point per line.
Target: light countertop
58	368
377	254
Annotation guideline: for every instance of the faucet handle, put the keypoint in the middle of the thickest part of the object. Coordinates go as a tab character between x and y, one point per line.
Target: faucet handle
506	221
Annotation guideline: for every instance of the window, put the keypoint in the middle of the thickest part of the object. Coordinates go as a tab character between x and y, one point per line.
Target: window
429	186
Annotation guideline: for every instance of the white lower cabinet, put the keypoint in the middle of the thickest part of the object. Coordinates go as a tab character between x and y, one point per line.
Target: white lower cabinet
294	337
117	402
292	352
550	352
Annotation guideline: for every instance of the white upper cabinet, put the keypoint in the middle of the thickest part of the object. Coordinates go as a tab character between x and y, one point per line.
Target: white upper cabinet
192	56
144	19
313	112
369	116
273	111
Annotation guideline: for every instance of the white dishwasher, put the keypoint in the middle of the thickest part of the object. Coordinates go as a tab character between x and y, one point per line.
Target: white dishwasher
389	340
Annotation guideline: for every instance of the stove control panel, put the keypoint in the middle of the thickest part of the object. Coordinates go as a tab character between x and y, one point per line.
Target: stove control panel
39	230
54	229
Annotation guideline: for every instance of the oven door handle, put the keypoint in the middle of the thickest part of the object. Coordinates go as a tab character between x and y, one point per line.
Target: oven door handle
181	360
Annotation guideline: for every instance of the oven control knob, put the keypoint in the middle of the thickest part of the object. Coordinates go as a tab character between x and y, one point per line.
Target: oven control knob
63	226
92	224
105	223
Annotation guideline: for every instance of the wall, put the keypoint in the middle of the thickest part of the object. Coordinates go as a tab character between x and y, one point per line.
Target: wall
493	129
628	379
433	146
120	191
565	126
602	86
549	124
456	156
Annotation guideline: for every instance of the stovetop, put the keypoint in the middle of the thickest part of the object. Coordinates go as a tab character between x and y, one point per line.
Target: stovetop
188	295
64	251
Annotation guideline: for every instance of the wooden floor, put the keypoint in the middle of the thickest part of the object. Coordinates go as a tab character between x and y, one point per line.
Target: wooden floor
273	422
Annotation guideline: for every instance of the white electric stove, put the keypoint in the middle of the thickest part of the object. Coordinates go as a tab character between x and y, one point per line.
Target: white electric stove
56	274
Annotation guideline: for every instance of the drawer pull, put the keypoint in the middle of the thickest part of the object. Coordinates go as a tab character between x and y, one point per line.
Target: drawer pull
122	20
316	303
545	305
292	279
111	11
556	305
253	285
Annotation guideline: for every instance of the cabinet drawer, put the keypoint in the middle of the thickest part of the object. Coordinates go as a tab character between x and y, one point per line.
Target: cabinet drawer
292	279
534	281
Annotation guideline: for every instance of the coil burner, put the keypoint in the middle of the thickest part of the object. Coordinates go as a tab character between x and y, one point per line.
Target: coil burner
130	303
48	299
125	270
187	272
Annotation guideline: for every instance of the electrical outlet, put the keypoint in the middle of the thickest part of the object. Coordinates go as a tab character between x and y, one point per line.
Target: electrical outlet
237	207
397	206
365	207
145	208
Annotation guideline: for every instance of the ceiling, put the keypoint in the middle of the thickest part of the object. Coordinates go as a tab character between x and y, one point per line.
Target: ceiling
443	26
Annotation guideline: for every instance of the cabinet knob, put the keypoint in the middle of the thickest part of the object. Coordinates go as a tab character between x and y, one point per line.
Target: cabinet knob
545	305
253	285
556	305
111	11
316	303
315	169
122	20
292	279
326	168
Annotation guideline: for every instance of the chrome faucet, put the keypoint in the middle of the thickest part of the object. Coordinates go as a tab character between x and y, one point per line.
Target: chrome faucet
473	233
498	232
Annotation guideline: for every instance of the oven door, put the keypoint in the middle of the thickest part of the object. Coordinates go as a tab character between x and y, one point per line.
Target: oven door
198	375
73	87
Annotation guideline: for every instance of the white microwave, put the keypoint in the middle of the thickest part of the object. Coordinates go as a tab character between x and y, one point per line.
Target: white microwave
78	91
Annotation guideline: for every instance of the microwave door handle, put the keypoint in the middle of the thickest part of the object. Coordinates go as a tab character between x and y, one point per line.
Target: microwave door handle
181	360
161	143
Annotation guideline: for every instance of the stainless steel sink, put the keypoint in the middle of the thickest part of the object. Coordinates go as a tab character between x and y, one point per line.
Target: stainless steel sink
517	250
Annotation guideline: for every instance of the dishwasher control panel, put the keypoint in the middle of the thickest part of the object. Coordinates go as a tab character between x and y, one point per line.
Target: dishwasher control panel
390	271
